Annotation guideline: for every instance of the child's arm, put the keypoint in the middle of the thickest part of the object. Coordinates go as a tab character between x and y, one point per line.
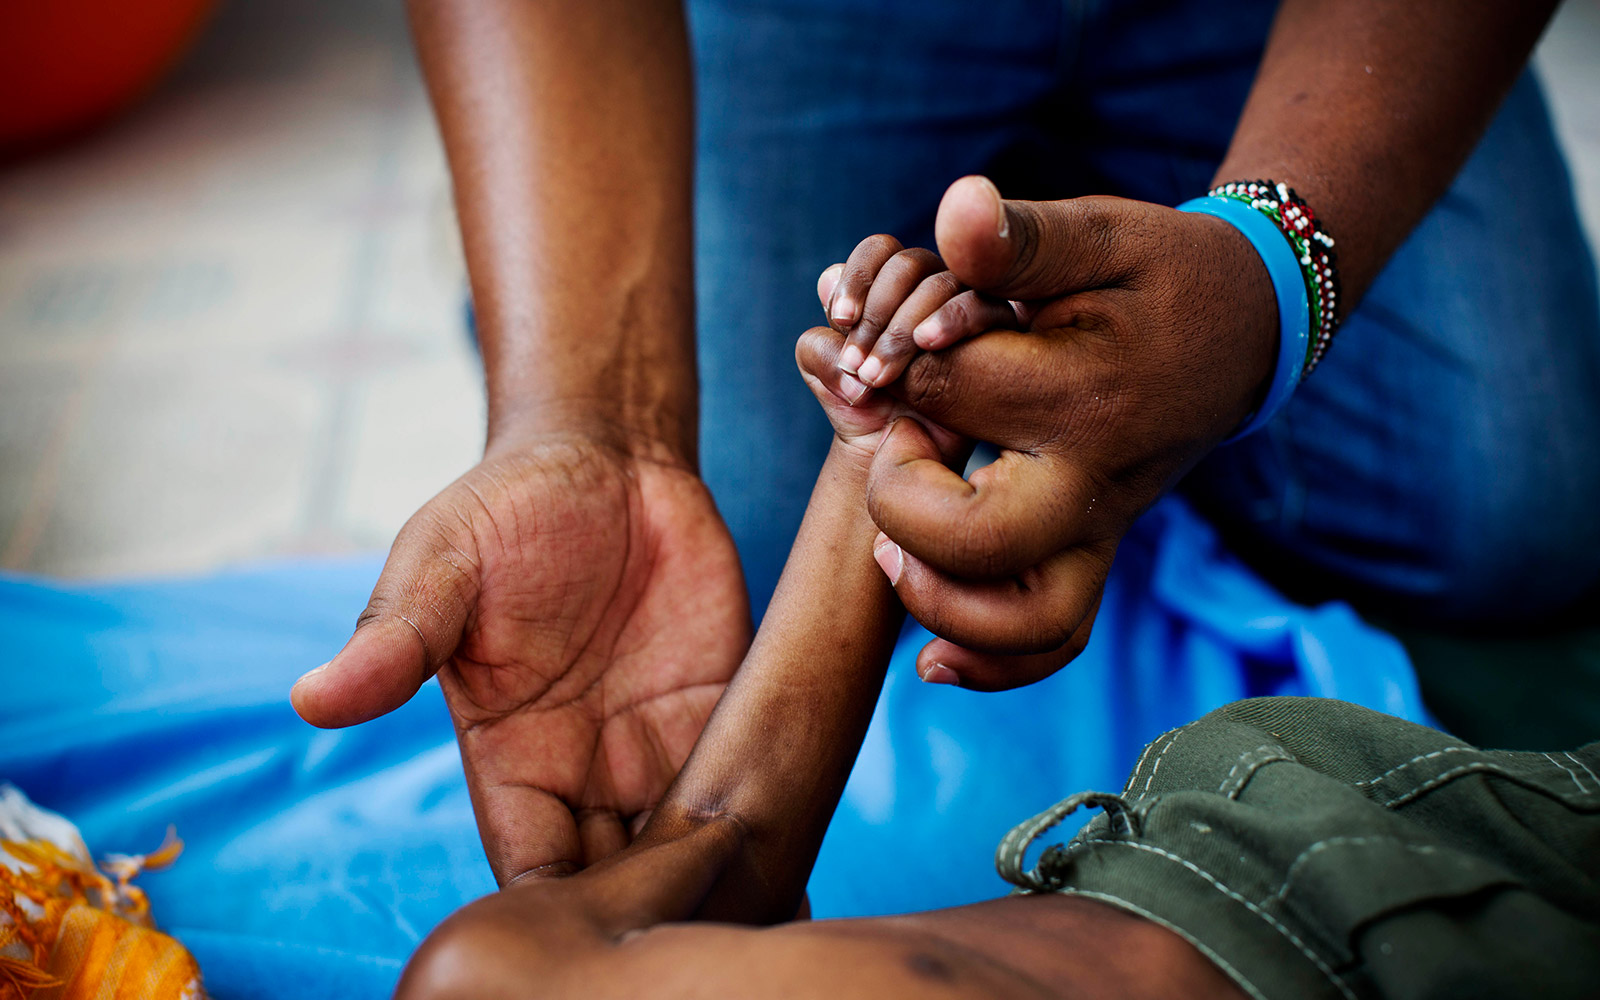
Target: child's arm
736	835
774	758
770	766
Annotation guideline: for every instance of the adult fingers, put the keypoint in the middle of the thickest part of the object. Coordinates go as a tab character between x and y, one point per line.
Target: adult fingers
1033	249
411	625
943	662
602	833
895	281
1036	611
531	834
1009	516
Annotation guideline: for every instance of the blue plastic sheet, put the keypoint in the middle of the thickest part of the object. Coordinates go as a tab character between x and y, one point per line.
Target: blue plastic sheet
317	860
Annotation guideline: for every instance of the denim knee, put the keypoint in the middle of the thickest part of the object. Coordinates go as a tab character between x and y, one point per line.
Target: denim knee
1443	463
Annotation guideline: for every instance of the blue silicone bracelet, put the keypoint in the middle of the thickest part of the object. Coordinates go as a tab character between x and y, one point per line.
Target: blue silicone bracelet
1288	283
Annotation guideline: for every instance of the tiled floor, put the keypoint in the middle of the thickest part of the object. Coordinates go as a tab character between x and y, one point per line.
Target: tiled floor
230	326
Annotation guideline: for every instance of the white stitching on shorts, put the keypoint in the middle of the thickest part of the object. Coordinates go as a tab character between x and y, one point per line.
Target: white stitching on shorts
1440	779
1445	777
1157	765
1273	753
1134	776
1415	760
1568	754
1272	921
1322	845
1565	770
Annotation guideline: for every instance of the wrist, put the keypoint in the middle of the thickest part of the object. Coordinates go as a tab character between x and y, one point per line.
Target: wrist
849	462
603	371
665	437
1276	333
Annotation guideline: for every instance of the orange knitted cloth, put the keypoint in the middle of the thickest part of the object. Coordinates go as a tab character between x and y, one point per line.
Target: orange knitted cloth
71	930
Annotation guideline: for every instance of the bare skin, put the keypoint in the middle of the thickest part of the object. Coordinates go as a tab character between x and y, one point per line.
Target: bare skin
1156	327
578	684
576	593
733	841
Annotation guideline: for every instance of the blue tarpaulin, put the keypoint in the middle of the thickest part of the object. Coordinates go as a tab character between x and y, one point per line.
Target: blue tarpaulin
317	860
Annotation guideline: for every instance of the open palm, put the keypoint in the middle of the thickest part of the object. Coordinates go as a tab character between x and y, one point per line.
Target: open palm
583	610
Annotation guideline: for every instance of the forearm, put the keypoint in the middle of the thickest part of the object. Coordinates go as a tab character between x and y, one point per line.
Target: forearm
777	751
1368	108
569	134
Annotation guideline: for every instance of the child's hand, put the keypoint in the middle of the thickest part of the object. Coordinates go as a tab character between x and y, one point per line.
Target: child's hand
860	416
889	302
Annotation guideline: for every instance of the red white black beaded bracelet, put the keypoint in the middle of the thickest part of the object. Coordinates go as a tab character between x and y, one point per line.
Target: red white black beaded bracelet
1312	247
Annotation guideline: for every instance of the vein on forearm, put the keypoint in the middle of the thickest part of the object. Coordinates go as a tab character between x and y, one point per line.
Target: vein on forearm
569	132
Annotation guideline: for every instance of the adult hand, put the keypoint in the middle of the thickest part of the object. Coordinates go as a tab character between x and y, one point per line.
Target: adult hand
583	609
1147	335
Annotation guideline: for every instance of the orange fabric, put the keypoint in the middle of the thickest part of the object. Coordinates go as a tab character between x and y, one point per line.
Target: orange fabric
87	934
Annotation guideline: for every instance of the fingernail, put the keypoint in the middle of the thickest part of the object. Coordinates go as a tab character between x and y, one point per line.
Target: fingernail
870	370
828	280
852	389
1003	225
889	557
926	333
845	310
851	359
314	671
938	673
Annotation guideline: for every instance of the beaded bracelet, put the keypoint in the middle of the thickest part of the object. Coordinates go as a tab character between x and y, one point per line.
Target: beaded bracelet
1288	288
1299	259
1313	247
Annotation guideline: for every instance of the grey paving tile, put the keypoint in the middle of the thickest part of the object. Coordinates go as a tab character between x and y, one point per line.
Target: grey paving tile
37	403
414	430
173	470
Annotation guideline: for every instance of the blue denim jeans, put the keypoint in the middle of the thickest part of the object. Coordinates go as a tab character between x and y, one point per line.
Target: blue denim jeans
1442	464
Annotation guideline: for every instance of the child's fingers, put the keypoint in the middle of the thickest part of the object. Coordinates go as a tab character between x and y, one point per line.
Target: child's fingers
893	349
963	316
855	278
817	355
941	312
827	281
897	280
941	304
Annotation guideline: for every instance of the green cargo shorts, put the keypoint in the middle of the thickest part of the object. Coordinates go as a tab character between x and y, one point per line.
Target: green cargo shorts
1313	848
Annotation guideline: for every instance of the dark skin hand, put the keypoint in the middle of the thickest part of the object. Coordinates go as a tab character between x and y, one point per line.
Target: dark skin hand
1013	560
1134	338
576	593
735	837
578	684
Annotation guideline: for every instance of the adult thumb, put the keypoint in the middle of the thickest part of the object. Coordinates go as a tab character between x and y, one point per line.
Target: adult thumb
412	624
1027	250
